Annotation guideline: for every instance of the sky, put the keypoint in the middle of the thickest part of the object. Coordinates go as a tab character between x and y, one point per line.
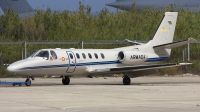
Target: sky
72	5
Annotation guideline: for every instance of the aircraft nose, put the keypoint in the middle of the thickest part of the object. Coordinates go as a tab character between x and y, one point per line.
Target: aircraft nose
115	4
121	4
12	68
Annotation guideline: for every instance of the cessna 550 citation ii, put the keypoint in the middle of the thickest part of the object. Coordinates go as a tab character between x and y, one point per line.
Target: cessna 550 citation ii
132	61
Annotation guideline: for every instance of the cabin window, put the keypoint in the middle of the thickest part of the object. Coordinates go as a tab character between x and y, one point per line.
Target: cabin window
96	56
53	54
44	54
71	56
102	56
90	56
77	55
84	56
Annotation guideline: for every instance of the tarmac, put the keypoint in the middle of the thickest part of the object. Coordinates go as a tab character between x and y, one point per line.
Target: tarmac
145	94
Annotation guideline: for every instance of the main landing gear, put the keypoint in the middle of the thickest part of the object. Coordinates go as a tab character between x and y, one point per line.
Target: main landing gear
65	80
28	81
126	80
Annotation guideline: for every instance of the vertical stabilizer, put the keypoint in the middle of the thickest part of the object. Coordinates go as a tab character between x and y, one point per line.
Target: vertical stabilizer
166	29
18	6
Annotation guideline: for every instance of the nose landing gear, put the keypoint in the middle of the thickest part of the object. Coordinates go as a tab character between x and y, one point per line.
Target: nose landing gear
28	81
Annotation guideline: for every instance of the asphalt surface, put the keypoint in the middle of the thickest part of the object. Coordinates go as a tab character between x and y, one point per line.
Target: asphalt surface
145	94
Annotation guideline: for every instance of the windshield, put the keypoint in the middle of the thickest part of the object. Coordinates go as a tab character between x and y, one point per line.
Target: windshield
44	54
33	54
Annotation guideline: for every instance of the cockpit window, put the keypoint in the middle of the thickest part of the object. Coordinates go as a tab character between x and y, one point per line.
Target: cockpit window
53	54
33	54
44	54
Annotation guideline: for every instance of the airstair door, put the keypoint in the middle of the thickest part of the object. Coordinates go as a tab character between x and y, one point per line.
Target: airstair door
71	62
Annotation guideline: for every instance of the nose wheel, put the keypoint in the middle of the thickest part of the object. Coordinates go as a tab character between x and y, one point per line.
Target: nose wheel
28	81
66	80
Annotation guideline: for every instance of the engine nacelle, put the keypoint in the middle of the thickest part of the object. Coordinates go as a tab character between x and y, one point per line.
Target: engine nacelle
132	57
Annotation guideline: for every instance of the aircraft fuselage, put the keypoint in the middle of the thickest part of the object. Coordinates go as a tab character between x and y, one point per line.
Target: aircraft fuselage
79	62
161	4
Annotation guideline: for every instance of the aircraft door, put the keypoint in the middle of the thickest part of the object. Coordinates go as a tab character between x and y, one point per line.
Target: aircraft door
71	62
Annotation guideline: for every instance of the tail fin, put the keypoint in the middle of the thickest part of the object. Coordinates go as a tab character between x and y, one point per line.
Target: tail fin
18	6
165	31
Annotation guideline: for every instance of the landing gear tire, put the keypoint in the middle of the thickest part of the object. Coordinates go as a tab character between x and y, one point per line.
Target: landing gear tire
126	80
66	81
28	82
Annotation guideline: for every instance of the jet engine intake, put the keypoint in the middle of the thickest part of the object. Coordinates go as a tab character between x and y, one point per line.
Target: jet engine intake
132	57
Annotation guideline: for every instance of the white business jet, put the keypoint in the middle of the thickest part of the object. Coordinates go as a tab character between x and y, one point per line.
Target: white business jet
131	61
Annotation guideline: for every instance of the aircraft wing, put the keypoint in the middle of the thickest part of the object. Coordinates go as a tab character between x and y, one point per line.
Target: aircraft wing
175	44
134	68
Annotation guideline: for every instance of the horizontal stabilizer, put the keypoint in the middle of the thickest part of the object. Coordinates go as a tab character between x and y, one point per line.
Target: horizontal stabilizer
135	68
175	44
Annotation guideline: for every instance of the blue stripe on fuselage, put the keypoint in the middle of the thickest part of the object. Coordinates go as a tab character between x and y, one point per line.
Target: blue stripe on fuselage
90	63
77	64
156	59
